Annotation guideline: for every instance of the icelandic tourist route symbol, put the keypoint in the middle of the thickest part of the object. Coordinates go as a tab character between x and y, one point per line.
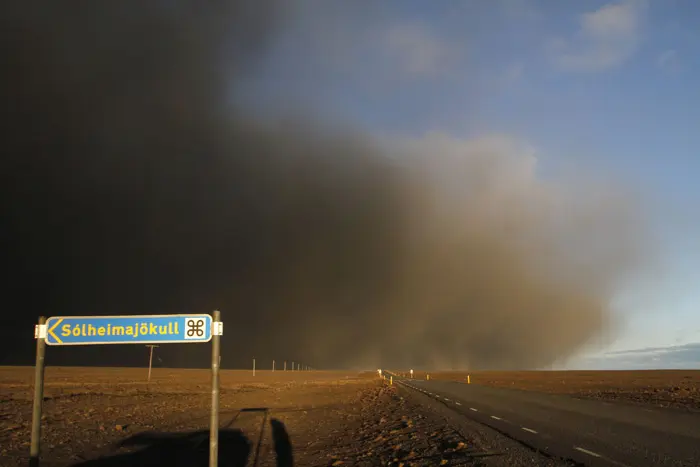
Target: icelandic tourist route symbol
144	329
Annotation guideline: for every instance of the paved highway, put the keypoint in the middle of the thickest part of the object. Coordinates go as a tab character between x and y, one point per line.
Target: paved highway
593	433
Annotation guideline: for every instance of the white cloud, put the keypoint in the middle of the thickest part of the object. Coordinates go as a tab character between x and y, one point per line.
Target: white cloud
418	49
512	73
521	9
684	356
606	38
669	61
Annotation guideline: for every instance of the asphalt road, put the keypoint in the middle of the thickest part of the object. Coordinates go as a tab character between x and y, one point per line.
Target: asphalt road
593	433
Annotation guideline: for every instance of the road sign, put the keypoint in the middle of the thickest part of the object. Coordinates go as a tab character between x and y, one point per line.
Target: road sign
146	329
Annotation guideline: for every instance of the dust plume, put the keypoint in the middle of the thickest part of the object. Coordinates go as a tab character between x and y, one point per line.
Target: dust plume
132	184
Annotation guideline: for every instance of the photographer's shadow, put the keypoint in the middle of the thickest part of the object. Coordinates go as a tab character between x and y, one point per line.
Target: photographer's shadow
191	449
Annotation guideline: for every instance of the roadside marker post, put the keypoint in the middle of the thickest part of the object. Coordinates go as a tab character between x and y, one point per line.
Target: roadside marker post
134	329
150	360
469	379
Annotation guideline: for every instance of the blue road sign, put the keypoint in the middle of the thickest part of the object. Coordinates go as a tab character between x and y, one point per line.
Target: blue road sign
96	330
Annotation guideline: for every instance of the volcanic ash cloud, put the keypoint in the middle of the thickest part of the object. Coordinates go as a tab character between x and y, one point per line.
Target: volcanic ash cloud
152	193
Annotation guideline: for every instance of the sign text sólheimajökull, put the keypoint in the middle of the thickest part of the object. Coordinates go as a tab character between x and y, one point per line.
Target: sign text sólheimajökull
94	330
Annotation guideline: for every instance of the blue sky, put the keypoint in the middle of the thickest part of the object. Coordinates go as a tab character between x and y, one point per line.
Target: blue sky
612	85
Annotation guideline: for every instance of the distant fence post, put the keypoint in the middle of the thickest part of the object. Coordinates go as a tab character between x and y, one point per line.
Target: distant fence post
150	360
40	335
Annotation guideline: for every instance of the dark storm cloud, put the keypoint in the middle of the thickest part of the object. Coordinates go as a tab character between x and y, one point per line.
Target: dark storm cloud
130	185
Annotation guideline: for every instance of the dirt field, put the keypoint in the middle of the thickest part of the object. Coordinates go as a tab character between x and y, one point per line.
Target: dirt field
108	417
667	388
98	417
62	381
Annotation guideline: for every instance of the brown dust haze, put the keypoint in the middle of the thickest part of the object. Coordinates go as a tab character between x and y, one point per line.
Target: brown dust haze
133	183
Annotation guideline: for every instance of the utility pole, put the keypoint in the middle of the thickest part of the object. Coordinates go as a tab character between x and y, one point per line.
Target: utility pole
150	360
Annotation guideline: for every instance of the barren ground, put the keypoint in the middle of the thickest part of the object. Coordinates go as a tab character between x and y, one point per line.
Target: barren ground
665	388
331	418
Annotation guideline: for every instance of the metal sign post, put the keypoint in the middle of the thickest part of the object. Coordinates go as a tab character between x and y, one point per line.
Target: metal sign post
215	365
135	329
40	335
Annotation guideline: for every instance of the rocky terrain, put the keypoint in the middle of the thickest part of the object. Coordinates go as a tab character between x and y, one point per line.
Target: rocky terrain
324	420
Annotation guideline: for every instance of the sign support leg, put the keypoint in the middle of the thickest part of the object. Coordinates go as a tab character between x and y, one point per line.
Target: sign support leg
38	395
214	421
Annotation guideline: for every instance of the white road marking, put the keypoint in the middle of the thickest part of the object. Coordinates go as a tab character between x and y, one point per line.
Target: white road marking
446	399
458	403
586	451
473	409
495	417
529	429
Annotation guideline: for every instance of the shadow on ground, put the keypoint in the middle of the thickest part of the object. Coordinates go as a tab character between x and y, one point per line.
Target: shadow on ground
192	449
